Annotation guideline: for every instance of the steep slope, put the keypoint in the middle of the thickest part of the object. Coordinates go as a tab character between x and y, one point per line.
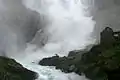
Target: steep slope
102	62
11	70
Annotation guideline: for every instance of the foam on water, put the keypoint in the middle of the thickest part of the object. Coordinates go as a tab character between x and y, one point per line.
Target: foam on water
44	72
50	73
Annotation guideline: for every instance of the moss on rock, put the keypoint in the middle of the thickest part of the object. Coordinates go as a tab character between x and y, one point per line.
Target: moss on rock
11	70
101	62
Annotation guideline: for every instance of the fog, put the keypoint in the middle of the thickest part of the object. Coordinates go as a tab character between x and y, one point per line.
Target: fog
18	25
106	13
20	22
55	26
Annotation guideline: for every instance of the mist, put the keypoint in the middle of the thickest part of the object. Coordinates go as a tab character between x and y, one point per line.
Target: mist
18	25
23	22
67	28
39	28
106	14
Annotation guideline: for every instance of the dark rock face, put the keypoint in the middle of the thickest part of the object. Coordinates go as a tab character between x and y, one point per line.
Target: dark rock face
52	61
11	70
101	62
107	36
63	63
73	53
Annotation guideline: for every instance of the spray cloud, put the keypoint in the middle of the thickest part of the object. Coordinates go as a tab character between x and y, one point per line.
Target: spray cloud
17	26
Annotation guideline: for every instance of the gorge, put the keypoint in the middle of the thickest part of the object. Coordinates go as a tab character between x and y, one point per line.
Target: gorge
31	30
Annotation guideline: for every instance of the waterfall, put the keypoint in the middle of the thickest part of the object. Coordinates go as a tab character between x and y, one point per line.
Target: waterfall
65	25
67	28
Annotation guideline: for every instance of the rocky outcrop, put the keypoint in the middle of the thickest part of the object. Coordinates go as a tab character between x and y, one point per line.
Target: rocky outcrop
11	70
107	37
101	62
52	61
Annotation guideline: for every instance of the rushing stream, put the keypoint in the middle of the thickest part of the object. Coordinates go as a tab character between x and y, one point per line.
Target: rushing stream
45	73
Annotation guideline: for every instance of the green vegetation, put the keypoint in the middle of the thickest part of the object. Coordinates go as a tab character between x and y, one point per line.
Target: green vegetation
11	70
102	62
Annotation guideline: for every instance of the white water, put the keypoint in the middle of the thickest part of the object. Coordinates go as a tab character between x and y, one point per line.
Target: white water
50	73
30	61
67	29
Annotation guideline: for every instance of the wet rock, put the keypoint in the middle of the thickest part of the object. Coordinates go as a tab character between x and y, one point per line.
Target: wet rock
51	61
101	62
11	70
72	67
72	53
78	52
107	38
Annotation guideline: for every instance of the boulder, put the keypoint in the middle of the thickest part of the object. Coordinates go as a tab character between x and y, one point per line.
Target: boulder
51	61
107	37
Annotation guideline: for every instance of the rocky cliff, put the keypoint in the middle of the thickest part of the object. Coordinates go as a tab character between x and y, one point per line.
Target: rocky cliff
11	70
101	62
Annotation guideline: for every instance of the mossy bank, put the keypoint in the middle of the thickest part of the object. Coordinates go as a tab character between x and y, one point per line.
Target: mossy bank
11	70
101	62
